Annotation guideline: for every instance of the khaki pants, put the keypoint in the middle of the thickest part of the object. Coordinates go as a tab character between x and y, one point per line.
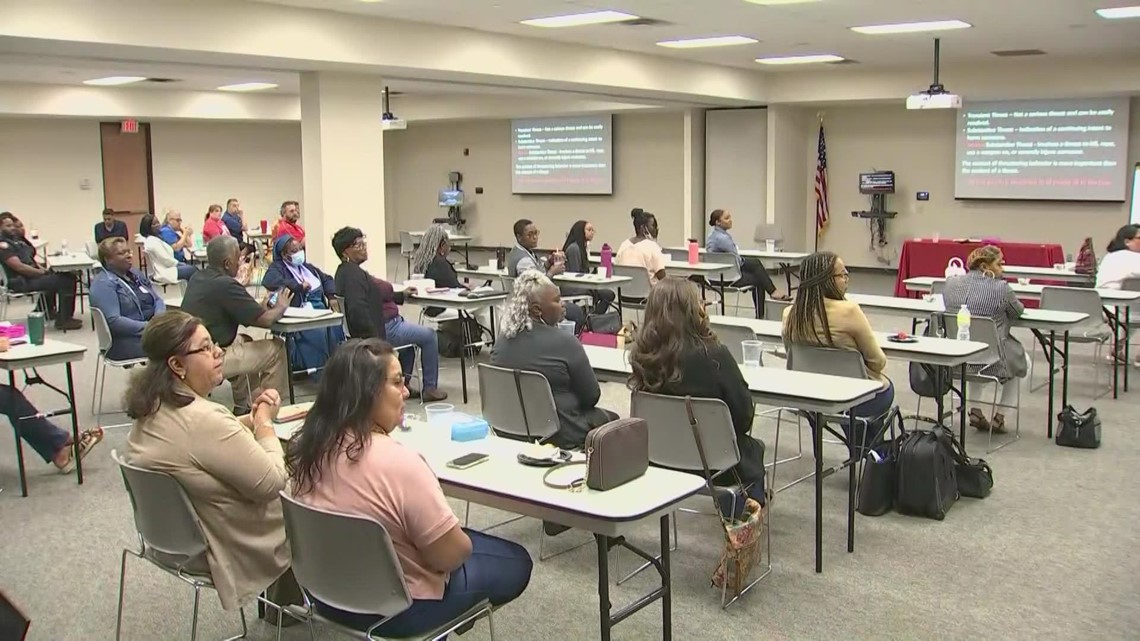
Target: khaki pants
253	366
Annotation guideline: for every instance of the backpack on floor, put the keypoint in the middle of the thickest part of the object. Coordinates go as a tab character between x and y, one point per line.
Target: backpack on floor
450	336
927	484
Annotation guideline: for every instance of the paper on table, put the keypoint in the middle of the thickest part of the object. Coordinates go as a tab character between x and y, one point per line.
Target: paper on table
484	288
300	312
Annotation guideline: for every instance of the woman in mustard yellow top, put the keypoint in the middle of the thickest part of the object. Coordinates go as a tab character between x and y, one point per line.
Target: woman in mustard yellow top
821	315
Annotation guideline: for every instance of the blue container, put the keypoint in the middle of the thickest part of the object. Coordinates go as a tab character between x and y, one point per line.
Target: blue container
469	430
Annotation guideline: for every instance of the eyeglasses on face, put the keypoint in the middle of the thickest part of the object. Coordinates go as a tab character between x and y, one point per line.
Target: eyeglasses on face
209	348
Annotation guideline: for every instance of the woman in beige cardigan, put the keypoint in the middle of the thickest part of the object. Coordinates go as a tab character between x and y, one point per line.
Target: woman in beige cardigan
231	468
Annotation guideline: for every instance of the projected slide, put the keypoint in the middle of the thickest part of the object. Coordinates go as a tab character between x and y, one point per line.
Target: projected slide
1043	150
562	155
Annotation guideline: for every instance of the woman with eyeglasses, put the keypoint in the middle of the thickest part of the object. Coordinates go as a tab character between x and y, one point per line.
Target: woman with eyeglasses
822	316
232	468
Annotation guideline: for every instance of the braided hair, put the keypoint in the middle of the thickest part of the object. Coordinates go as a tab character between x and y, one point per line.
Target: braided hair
807	320
641	221
432	240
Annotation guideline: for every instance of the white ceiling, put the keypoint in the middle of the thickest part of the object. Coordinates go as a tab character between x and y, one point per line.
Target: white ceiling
1062	28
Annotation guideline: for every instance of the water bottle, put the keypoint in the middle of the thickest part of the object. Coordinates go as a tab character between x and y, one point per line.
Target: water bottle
963	323
694	252
63	246
607	260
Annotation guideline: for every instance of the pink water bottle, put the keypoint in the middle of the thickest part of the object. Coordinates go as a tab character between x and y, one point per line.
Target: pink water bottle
694	252
607	260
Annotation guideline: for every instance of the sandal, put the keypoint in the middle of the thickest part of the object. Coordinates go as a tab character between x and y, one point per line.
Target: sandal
978	420
88	439
998	424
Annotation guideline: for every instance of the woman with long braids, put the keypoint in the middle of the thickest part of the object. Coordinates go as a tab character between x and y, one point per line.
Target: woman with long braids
578	262
822	316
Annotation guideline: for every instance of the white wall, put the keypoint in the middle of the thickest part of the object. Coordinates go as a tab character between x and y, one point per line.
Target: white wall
42	163
648	173
199	163
919	147
787	175
736	168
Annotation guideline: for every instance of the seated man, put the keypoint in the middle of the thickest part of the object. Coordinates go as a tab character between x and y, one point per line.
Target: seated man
522	258
217	295
126	298
288	223
110	227
25	276
234	220
370	309
180	237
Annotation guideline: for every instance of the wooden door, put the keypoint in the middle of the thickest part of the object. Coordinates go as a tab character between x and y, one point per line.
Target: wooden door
128	182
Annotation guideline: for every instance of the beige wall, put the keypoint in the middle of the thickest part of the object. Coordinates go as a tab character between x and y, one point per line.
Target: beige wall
648	173
788	177
42	163
200	163
919	147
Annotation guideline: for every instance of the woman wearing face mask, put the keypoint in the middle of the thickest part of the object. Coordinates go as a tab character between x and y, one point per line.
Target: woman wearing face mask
213	225
578	262
311	287
530	339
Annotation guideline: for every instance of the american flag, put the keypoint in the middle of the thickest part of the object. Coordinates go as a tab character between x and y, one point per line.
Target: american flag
821	207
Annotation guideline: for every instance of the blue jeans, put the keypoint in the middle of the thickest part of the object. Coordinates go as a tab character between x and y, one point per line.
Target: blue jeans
44	437
401	333
498	570
185	271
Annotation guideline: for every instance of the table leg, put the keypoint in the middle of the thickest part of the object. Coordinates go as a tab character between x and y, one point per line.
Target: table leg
851	489
666	583
494	329
939	401
621	310
1127	327
722	294
74	423
604	583
817	435
1115	321
962	410
463	357
1052	378
1065	373
19	444
289	370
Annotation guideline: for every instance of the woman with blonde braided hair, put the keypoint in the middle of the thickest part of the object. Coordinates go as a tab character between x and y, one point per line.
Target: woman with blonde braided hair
821	315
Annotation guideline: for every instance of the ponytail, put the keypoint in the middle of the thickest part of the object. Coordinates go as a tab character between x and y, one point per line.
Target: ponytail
715	216
1123	235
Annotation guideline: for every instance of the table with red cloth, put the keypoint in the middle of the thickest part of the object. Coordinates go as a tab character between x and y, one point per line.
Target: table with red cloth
929	258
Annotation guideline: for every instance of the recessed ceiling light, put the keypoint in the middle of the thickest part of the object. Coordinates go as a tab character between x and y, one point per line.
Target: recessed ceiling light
111	81
912	27
1119	12
580	19
780	1
713	41
248	86
800	60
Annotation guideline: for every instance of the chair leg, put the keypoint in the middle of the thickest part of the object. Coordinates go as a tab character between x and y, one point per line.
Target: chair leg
122	585
491	623
95	383
102	388
194	620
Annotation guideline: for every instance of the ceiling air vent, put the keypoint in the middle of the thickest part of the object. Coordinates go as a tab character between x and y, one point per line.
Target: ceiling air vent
1017	53
845	61
161	80
644	22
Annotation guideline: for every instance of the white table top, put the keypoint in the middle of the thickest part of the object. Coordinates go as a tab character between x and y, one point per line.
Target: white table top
1114	297
769	385
503	482
762	254
1046	273
52	352
298	323
928	349
683	267
71	262
1042	319
596	281
452	300
454	238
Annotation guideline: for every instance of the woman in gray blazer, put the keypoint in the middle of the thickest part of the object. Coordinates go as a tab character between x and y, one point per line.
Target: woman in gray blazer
985	294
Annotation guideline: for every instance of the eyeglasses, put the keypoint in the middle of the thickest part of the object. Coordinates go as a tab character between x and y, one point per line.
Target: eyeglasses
209	347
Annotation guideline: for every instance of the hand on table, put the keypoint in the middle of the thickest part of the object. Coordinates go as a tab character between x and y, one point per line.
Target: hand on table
5	344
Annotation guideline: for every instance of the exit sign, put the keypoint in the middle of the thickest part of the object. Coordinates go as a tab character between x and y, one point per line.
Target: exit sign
129	127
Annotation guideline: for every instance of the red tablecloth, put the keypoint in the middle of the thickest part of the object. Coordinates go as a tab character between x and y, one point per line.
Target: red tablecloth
929	258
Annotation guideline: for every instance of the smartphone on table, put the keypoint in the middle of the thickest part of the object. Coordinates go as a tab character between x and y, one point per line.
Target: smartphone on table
467	460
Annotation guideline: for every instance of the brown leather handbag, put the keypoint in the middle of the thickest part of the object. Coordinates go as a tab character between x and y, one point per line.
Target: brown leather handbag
616	453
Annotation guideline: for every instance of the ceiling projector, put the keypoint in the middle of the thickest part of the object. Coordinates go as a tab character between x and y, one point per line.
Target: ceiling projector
935	96
388	120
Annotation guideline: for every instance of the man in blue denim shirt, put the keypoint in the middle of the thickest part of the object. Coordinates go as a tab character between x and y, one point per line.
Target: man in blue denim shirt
752	272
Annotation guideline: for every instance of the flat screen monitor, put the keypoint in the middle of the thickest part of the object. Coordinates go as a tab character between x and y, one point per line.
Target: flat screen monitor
450	197
877	182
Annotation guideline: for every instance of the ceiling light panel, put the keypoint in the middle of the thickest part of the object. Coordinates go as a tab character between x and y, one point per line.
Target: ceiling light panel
911	27
800	60
114	81
248	86
712	41
1119	12
580	19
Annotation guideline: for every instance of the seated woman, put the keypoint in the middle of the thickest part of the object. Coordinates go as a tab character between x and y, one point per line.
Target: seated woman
642	249
161	264
1122	260
752	272
231	468
310	287
344	459
371	309
677	354
212	226
430	259
822	316
985	294
529	339
576	250
126	298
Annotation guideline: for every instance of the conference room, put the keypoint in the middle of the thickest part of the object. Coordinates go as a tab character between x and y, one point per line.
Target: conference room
743	160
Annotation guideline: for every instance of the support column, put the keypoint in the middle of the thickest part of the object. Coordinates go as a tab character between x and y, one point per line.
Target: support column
694	205
342	160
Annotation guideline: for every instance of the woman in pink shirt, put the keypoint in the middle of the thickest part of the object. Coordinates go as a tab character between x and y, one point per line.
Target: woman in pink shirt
344	459
213	226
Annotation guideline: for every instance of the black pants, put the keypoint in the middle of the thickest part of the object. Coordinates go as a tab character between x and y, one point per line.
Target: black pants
59	293
603	298
753	273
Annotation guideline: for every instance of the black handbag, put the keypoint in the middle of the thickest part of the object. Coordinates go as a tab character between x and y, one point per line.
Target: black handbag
927	483
1077	429
608	323
975	476
880	469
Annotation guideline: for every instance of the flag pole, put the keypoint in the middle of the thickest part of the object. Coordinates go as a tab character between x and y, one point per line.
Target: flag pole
818	229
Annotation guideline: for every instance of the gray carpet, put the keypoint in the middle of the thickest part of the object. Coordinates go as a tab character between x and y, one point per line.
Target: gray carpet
1050	555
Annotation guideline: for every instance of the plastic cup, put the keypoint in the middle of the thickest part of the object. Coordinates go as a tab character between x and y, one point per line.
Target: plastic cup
493	264
936	237
1022	281
566	326
264	225
770	245
439	414
753	352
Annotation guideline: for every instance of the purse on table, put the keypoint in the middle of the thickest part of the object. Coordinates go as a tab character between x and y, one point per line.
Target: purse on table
1077	429
616	453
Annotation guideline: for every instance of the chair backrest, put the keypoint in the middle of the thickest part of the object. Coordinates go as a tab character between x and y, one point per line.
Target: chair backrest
765	232
1074	299
639	286
671	442
826	360
1130	284
982	330
407	242
730	275
938	286
731	336
508	283
92	250
345	561
681	255
336	304
102	329
499	402
164	517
